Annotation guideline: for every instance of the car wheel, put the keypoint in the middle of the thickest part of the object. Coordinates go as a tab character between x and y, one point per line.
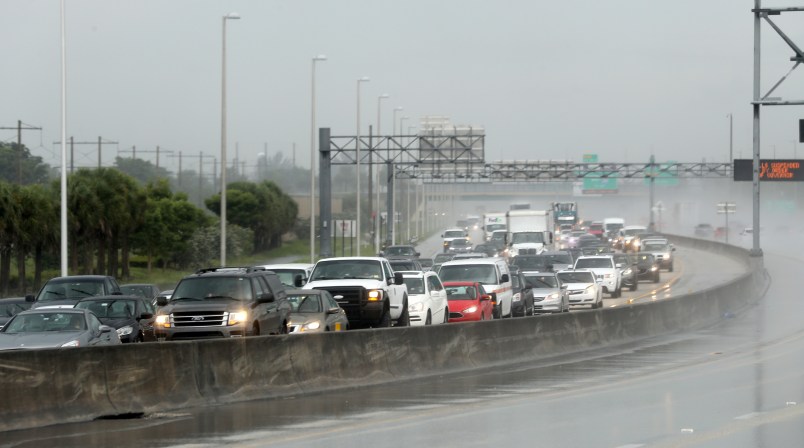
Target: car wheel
671	268
429	319
634	285
385	319
404	318
255	331
446	315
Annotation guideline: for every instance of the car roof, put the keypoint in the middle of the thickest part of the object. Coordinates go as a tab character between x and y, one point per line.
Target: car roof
414	274
78	278
111	297
594	256
54	310
378	259
288	266
487	260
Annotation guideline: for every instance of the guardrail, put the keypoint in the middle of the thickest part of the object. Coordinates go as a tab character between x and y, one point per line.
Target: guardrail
45	387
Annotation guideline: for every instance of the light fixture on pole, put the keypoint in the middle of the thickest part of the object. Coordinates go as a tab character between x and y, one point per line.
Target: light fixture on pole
320	57
731	138
230	16
357	158
377	181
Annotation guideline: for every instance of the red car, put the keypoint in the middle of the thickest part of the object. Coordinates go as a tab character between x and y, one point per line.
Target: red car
468	301
596	229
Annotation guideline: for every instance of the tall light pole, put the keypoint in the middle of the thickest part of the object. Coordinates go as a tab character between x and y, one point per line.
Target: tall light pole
377	181
731	138
320	57
230	16
63	144
357	157
402	124
396	109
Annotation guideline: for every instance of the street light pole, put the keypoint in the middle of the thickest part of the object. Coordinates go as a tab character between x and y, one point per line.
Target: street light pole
396	109
63	180
230	16
731	139
320	57
357	157
376	224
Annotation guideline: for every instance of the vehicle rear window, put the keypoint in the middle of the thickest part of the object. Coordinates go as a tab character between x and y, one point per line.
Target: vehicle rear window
593	263
484	274
462	292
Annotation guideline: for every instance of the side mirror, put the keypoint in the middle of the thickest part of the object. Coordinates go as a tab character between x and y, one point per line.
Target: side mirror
505	278
398	280
161	301
485	297
266	297
333	310
418	254
146	316
106	329
30	298
381	254
297	281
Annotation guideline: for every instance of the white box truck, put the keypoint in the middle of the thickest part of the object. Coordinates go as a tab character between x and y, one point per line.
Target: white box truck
492	222
528	232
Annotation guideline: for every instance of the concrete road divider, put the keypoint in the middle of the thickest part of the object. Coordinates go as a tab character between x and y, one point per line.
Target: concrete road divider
45	387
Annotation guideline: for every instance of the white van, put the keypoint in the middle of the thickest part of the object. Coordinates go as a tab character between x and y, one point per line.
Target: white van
492	273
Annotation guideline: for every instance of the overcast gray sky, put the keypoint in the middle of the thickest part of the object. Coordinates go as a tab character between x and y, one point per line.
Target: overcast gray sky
547	80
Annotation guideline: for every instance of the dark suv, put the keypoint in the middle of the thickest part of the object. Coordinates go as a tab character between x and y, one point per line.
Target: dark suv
65	292
224	302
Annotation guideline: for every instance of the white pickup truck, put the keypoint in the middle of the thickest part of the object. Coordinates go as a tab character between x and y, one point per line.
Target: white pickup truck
366	288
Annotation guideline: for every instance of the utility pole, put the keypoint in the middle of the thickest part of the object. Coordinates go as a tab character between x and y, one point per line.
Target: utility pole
201	158
100	142
19	128
157	151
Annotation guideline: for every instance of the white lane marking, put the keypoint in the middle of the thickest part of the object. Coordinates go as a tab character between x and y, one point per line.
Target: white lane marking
632	445
688	430
748	416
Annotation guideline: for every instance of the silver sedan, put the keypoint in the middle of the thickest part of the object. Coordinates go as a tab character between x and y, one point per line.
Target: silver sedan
55	328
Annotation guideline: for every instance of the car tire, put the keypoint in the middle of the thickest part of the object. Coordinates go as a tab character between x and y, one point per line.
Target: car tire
670	269
429	319
404	318
385	319
446	315
634	285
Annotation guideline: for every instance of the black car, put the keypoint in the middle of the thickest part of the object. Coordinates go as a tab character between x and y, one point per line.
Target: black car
427	263
10	307
627	264
522	304
66	291
647	267
459	245
223	303
131	315
400	252
489	249
147	290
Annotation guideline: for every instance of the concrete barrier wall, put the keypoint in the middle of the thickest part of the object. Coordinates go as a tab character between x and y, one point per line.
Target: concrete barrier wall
46	387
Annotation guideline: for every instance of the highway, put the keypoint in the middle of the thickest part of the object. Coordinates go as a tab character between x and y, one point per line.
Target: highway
721	387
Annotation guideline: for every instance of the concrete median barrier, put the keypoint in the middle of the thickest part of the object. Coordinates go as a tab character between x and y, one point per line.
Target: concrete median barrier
57	386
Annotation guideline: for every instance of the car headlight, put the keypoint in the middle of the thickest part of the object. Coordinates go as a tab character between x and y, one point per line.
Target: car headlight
375	295
125	331
552	296
590	289
517	297
628	271
418	306
237	317
654	268
665	255
311	326
471	309
162	320
73	343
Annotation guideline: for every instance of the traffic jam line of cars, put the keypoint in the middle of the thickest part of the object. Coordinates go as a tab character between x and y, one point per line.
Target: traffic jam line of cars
335	294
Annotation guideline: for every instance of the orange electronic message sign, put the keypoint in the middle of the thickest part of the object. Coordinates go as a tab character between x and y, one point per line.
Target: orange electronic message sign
770	170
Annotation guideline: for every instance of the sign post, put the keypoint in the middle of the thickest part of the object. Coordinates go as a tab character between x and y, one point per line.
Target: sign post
726	208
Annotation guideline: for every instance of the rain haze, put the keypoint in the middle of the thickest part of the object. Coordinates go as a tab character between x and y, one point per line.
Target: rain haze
547	80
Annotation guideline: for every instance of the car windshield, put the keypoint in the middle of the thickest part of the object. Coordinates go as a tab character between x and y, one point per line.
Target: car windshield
45	321
403	266
415	285
493	227
484	274
69	290
347	269
136	290
593	263
440	258
654	247
558	258
213	288
576	277
453	233
304	303
288	276
542	281
112	309
632	232
461	292
527	237
10	309
537	263
400	251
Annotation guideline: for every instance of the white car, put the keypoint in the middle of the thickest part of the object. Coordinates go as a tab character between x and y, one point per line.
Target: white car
427	298
451	234
288	273
628	237
662	250
606	271
583	287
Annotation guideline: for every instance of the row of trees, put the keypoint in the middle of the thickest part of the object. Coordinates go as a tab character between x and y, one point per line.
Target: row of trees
112	215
